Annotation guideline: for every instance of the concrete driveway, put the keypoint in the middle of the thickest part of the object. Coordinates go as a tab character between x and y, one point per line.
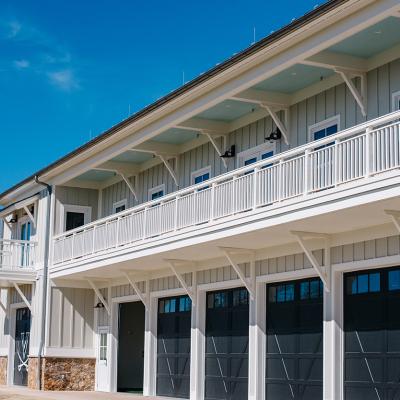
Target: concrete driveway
14	393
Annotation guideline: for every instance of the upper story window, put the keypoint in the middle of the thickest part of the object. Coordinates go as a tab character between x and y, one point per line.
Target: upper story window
324	128
258	153
201	175
75	216
156	192
363	283
396	101
119	206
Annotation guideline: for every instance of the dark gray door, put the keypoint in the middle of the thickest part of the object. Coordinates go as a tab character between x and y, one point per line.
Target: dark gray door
227	345
21	356
294	340
173	347
131	347
372	335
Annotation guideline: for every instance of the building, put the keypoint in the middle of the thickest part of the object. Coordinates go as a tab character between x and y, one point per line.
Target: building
239	238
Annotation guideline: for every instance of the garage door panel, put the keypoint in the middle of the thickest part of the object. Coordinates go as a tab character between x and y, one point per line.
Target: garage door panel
173	347
294	340
372	346
227	331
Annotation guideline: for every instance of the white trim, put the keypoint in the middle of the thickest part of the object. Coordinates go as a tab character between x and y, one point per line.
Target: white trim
200	172
64	208
120	203
395	100
156	189
256	151
69	352
326	123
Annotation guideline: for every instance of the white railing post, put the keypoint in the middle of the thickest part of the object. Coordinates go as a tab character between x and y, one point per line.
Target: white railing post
233	211
176	213
368	152
117	234
144	223
280	180
336	163
255	187
307	171
94	239
72	246
213	185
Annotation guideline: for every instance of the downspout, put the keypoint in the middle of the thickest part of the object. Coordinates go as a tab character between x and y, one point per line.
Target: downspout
45	280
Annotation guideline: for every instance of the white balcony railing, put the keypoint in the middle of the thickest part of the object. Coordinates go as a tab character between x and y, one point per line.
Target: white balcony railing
17	254
365	150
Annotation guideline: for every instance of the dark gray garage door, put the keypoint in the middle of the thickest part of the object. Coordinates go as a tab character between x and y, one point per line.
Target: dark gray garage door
227	342
372	335
173	347
294	340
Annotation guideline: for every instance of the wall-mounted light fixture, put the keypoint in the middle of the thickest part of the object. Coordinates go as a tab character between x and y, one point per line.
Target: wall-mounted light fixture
274	135
231	152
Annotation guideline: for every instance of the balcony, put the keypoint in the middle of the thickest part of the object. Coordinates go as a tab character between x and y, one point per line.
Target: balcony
16	255
331	168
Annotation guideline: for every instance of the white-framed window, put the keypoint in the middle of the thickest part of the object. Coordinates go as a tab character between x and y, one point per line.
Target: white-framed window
73	216
396	101
201	175
324	128
120	206
257	153
156	192
103	345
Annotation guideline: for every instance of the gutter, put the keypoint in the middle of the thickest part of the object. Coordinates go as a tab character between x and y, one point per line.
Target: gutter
45	281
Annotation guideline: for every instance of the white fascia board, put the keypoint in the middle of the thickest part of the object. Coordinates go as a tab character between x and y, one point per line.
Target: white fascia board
17	206
333	32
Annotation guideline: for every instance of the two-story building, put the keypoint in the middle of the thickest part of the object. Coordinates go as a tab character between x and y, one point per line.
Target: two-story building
237	239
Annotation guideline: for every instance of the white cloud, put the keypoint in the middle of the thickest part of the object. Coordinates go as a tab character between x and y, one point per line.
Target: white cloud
14	28
21	64
64	79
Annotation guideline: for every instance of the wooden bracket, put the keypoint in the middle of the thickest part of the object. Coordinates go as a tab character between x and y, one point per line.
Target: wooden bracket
136	288
173	265
100	296
23	297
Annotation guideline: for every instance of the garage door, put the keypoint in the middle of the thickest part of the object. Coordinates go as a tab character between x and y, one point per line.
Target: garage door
372	335
173	347
294	340
227	342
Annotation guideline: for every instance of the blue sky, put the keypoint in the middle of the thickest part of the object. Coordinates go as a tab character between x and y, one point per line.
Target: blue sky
71	69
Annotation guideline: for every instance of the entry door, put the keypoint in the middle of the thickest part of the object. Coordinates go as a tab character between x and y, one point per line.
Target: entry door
227	345
294	340
372	335
21	355
102	360
173	347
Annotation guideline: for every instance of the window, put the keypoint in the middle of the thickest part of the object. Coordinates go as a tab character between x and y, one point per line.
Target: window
324	128
156	192
174	304
363	283
103	347
394	280
201	175
119	206
258	153
396	101
281	293
312	289
74	216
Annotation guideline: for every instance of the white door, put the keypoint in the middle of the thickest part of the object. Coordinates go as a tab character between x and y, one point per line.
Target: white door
102	360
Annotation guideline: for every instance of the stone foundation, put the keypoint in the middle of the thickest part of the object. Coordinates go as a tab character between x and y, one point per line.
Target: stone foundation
68	373
3	370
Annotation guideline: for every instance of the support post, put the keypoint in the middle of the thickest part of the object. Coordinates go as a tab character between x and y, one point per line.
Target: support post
23	297
322	272
150	345
100	296
129	184
169	168
228	254
136	288
181	279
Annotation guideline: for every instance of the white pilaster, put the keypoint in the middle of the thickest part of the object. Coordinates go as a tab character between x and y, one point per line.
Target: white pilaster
197	342
257	344
332	331
150	345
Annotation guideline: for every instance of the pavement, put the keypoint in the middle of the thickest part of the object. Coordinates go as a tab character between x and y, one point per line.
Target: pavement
16	393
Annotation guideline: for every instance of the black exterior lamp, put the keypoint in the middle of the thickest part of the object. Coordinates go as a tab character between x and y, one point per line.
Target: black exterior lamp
99	306
274	135
231	152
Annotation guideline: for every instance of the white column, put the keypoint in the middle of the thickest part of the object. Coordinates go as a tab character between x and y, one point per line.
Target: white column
113	373
197	343
332	331
150	345
257	344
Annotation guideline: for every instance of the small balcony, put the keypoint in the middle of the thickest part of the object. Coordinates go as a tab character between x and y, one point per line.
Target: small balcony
17	255
329	169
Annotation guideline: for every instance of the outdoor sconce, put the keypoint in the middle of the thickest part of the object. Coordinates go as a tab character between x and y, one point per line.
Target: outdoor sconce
274	135
231	152
99	306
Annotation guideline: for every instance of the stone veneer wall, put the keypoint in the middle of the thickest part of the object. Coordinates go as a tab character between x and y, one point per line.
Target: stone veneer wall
68	373
33	366
3	370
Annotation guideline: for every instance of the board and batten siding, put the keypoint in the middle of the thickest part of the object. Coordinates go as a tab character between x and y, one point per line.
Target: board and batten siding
338	100
77	197
4	323
71	318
